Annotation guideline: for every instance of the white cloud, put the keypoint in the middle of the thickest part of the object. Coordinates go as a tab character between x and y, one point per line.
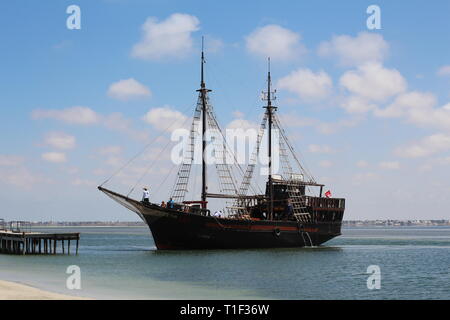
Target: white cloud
170	38
72	115
21	177
333	127
307	84
86	116
275	42
13	172
60	140
390	165
242	124
444	71
354	51
315	148
165	118
418	108
10	160
55	157
128	89
373	81
294	121
238	114
357	104
436	117
407	104
117	122
425	147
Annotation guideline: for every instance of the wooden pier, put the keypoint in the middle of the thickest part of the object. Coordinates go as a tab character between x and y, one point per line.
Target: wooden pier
12	242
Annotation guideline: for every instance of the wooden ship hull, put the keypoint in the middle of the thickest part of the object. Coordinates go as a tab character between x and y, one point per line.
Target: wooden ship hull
177	230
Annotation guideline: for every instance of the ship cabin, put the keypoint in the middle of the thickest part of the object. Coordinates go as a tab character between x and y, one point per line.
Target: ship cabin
290	202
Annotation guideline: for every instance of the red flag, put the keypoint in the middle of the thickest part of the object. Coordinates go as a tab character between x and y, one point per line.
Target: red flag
328	194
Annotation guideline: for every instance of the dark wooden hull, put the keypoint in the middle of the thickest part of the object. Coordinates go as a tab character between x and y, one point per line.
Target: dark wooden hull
176	231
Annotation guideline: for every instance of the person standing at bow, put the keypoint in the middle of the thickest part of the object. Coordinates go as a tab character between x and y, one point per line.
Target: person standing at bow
145	195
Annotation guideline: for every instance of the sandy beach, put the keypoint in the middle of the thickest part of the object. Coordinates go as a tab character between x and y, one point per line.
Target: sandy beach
16	291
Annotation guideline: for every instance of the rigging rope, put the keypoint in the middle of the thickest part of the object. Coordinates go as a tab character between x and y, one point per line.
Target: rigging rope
232	153
153	162
142	151
304	167
167	176
291	148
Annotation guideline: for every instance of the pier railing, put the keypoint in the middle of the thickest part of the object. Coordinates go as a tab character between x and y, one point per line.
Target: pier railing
20	226
18	239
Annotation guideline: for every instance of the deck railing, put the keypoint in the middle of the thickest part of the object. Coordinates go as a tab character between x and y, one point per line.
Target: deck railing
318	202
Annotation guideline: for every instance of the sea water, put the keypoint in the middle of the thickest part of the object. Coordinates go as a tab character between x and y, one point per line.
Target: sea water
123	263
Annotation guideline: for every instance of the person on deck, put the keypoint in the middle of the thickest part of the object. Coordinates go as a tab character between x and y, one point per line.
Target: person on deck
163	204
170	203
289	208
145	195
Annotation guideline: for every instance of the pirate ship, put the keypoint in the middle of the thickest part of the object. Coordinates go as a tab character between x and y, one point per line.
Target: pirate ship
292	212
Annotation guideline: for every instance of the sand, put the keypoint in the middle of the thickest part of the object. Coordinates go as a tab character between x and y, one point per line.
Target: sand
16	291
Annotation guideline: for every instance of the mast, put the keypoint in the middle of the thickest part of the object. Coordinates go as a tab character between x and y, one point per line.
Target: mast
270	110
203	91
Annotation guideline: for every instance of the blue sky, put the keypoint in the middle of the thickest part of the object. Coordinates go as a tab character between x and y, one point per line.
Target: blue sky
368	109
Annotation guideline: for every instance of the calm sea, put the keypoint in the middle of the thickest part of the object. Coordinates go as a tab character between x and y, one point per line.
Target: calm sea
121	262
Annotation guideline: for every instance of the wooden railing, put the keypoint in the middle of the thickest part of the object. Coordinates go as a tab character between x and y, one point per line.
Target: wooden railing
317	202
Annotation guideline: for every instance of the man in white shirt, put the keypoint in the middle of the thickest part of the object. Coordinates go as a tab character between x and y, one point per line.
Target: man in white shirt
218	214
145	195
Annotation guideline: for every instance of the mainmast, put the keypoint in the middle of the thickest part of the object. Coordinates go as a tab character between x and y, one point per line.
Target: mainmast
270	110
203	92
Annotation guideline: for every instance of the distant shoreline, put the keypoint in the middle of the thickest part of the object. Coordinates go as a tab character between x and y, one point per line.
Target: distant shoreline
396	223
345	223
